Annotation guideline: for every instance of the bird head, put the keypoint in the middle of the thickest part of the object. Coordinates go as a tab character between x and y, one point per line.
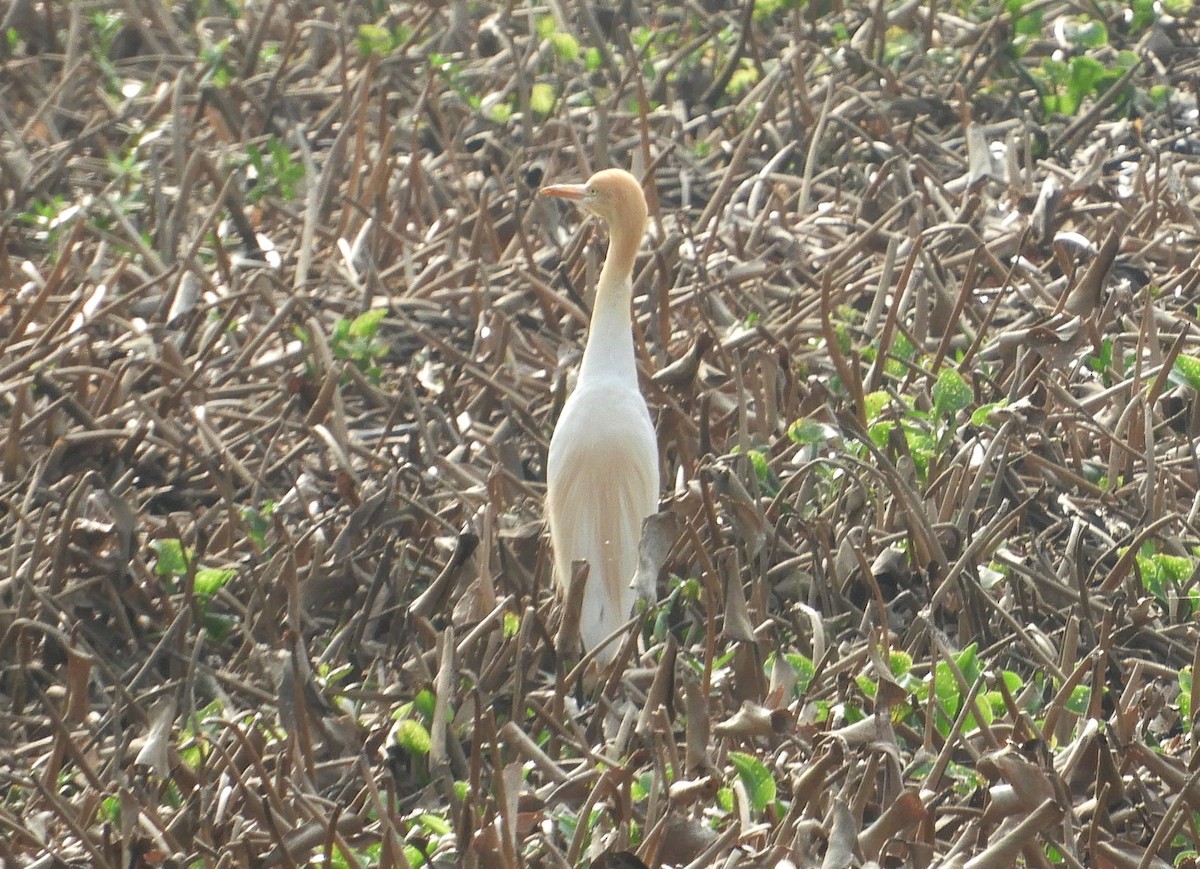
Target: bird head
613	195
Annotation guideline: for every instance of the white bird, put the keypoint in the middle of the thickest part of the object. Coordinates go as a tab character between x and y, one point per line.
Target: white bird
602	472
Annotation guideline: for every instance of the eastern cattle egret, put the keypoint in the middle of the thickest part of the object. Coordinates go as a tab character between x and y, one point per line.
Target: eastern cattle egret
602	474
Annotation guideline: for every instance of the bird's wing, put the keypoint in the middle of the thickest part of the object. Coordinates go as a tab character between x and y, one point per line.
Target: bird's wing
602	482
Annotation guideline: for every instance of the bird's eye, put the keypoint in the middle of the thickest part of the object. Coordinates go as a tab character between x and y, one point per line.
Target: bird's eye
591	191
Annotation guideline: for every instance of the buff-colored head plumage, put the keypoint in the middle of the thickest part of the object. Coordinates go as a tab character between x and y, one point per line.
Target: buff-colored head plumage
613	195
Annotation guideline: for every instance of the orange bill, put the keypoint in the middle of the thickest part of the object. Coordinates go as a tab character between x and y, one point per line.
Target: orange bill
564	191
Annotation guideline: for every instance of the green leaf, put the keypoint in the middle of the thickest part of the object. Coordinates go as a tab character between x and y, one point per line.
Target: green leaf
1081	696
110	808
172	557
1160	96
868	686
210	580
640	787
1152	581
1177	8
759	462
192	754
373	39
435	824
1126	60
338	859
332	675
875	403
412	736
641	37
1175	568
984	412
945	689
1012	681
541	99
968	664
725	799
425	702
982	710
365	325
1087	33
1025	24
1188	370
258	522
990	577
1102	361
1143	15
899	662
804	669
898	43
218	626
967	778
764	9
1085	72
1031	24
742	79
546	27
756	778
1185	693
880	432
921	445
951	393
809	432
1055	71
903	347
288	172
995	701
565	46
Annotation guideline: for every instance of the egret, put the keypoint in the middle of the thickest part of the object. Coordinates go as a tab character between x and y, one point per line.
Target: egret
602	472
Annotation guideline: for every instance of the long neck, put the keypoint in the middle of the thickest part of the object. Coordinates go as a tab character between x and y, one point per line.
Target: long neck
609	351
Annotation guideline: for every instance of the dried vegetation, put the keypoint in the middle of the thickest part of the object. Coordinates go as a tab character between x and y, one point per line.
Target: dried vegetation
285	330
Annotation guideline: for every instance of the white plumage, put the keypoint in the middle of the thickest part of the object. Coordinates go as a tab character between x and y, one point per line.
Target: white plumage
602	474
